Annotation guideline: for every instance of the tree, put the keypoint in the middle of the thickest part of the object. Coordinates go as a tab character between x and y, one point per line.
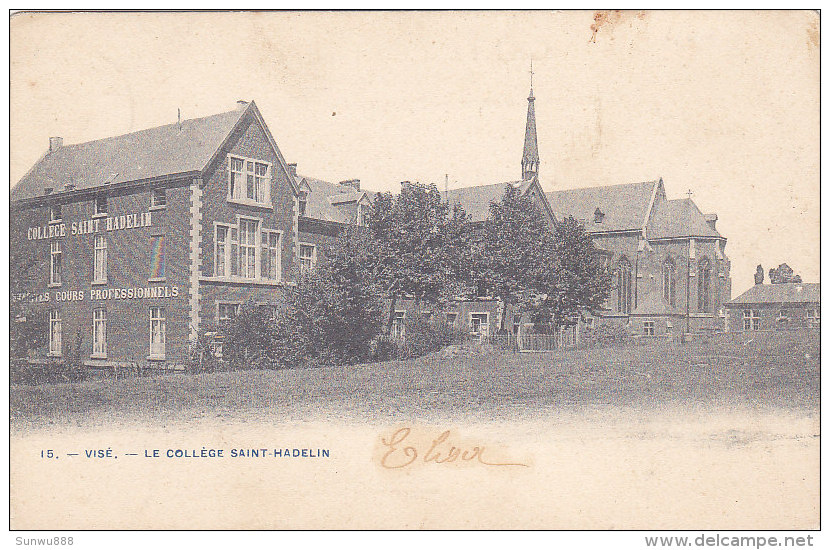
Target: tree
517	250
331	316
783	274
408	243
580	278
28	324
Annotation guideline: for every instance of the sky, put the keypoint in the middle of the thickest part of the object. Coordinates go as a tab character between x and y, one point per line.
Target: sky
722	104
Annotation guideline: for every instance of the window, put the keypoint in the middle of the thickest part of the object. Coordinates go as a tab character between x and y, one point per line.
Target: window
248	236
270	255
704	283
480	323
783	317
226	311
99	271
157	257
752	319
55	213
55	332
307	257
624	286
669	282
303	202
248	180
158	197
55	263
101	205
158	329
648	328
220	263
399	324
599	215
451	317
99	332
813	317
362	215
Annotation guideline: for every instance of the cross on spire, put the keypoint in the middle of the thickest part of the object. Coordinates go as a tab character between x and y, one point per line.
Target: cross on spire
689	193
531	73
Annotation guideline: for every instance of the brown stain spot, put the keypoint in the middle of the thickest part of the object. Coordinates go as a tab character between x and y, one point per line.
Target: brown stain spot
609	19
813	35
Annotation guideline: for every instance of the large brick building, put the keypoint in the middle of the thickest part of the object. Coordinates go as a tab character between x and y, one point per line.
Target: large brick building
139	242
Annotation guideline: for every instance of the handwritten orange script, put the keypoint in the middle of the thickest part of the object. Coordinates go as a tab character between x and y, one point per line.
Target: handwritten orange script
401	452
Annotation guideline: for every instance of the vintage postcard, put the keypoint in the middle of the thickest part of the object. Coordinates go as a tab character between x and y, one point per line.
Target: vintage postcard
415	270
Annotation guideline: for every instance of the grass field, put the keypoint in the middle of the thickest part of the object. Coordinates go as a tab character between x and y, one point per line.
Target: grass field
717	434
764	370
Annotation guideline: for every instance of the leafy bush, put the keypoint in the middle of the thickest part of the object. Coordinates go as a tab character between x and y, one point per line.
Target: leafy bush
607	335
423	336
331	316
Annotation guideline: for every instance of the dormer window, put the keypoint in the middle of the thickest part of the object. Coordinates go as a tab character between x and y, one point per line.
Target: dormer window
101	205
249	181
303	202
599	215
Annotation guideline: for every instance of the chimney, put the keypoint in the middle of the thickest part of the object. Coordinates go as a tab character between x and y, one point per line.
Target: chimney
405	183
55	143
292	169
69	187
351	183
711	219
241	105
48	190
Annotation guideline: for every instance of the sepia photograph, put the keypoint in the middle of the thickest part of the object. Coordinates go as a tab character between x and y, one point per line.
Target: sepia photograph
416	270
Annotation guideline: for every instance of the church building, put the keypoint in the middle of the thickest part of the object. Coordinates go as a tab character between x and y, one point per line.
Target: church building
668	260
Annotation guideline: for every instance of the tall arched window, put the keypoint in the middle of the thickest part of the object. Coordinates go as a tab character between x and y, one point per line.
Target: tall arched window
624	286
669	281
704	286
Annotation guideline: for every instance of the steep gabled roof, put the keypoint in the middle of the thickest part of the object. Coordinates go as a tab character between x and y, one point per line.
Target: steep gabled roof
678	218
784	293
322	200
625	206
476	200
155	152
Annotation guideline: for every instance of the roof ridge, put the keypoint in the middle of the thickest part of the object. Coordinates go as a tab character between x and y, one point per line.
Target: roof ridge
650	182
70	145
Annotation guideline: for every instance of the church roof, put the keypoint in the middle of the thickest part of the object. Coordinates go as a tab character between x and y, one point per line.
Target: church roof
784	293
145	154
625	206
322	200
476	200
678	218
653	303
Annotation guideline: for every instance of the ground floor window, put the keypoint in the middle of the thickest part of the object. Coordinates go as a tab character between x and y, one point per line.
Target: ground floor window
399	324
55	332
99	332
158	329
813	317
480	323
226	311
752	319
648	328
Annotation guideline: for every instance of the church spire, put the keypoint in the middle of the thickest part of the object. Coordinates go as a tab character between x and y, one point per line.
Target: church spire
530	155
